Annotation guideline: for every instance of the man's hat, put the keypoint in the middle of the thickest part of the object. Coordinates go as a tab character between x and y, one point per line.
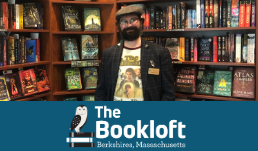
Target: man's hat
127	10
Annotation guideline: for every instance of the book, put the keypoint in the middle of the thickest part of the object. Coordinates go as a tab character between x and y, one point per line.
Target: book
215	48
238	48
205	49
244	49
185	79
202	13
248	13
194	25
89	44
198	13
92	21
73	79
42	79
183	13
234	13
70	49
182	49
211	14
71	18
219	49
242	14
173	46
31	17
28	82
207	10
4	95
13	85
224	13
90	78
204	82
229	13
31	50
253	14
216	13
222	83
88	98
243	82
250	48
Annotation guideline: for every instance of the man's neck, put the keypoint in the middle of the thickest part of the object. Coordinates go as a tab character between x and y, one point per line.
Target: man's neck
133	44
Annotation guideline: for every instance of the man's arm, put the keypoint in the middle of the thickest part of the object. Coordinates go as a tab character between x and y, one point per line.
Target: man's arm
167	81
101	91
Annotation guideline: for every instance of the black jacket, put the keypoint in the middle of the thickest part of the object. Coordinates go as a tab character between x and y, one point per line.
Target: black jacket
155	87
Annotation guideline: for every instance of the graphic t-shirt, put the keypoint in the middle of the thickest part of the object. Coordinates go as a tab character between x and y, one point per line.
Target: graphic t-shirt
129	82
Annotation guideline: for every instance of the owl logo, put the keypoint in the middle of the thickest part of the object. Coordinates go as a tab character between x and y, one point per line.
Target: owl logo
79	119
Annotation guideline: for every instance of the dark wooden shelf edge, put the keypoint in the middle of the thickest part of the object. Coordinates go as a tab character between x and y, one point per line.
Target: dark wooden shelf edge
74	92
35	96
136	1
28	30
66	62
81	32
81	2
24	65
212	97
214	63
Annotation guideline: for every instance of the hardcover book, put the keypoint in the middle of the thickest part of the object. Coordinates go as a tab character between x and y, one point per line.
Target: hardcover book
207	10
222	83
229	13
248	13
89	44
211	14
202	14
4	95
90	78
253	14
73	79
185	80
70	49
250	48
244	82
173	46
31	17
204	82
235	13
92	21
31	50
28	82
13	85
216	13
88	98
42	79
71	18
242	14
244	49
205	49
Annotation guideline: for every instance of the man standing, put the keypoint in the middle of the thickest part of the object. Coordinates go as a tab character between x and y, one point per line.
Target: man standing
154	62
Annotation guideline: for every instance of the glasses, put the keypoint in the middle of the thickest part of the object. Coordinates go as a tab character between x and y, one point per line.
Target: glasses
132	21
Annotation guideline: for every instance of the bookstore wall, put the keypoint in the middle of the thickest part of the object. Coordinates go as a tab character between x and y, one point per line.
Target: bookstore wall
51	49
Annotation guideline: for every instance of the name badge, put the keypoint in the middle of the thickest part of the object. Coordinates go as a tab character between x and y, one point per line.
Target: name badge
154	71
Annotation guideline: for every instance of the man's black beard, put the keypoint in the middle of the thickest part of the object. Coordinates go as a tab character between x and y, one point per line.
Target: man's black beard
131	36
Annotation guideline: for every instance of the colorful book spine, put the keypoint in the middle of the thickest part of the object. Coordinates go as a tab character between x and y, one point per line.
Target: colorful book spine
211	14
250	48
187	49
238	48
152	17
183	18
216	13
194	25
223	48
147	18
198	13
229	13
170	18
253	14
157	17
220	13
37	50
21	16
234	13
179	16
195	49
232	47
175	16
164	17
207	10
17	13
224	13
244	49
192	48
228	47
242	14
248	14
5	52
202	14
1	52
219	49
215	48
189	18
182	49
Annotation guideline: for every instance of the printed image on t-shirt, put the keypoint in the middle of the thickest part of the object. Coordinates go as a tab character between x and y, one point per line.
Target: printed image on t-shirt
129	82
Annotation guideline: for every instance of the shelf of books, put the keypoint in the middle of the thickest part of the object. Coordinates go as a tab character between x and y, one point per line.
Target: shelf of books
211	43
25	59
77	47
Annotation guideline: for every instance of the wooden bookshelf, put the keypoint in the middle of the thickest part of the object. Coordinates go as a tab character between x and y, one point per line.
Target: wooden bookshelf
28	30
17	66
109	36
212	97
215	63
35	96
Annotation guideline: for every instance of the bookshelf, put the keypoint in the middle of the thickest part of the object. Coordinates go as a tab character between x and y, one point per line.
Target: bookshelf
45	51
109	36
